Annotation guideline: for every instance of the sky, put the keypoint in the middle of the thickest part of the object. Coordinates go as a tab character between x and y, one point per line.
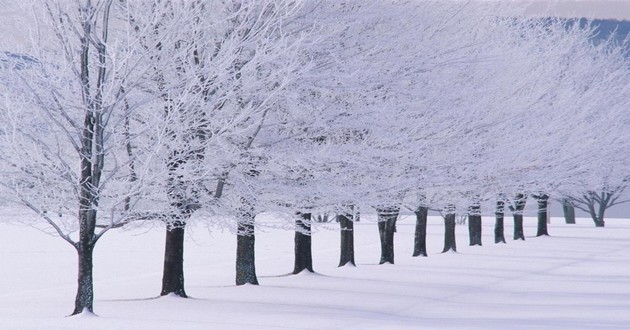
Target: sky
597	9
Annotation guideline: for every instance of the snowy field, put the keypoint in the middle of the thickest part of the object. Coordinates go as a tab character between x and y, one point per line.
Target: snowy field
576	279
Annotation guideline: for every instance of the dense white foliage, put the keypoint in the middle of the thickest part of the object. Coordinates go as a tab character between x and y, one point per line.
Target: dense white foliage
329	104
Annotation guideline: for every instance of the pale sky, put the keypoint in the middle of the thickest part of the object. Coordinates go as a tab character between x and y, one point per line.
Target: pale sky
598	9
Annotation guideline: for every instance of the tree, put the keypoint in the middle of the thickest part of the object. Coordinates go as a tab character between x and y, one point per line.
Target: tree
346	224
303	252
499	228
568	210
474	224
219	81
450	243
67	122
597	202
387	217
542	201
517	212
420	236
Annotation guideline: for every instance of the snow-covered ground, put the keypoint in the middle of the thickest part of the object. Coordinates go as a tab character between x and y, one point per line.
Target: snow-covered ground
576	279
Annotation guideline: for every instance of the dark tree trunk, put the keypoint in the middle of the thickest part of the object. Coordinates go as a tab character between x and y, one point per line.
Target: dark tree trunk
474	225
499	228
449	233
597	216
347	240
85	291
386	228
542	201
569	211
173	275
245	251
518	227
517	211
303	254
420	237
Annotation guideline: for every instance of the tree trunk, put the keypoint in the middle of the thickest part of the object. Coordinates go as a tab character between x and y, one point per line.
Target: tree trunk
598	217
85	291
569	211
542	201
386	227
474	225
173	275
347	240
518	227
519	205
598	220
449	233
499	228
420	237
303	254
245	251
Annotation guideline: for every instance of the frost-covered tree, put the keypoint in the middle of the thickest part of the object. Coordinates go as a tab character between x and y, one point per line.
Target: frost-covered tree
67	122
233	60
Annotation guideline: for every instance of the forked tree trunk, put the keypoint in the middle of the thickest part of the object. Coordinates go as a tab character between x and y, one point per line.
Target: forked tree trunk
85	291
386	228
303	254
542	201
449	233
347	240
420	237
597	216
569	211
499	228
474	225
173	274
245	250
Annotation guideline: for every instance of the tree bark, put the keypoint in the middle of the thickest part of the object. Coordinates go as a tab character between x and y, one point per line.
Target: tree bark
386	228
542	200
449	233
420	237
597	216
347	240
474	225
303	254
85	291
173	274
499	228
518	227
569	211
245	253
517	211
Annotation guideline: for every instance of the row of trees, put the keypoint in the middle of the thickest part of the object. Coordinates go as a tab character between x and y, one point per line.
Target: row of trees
134	111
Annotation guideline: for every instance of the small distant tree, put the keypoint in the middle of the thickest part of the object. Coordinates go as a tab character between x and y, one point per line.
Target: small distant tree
542	200
499	228
517	208
595	203
449	229
568	210
474	224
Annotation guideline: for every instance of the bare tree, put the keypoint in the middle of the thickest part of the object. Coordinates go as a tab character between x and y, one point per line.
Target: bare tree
595	203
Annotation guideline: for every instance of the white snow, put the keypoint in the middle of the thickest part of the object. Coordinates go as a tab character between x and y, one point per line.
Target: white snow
575	279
